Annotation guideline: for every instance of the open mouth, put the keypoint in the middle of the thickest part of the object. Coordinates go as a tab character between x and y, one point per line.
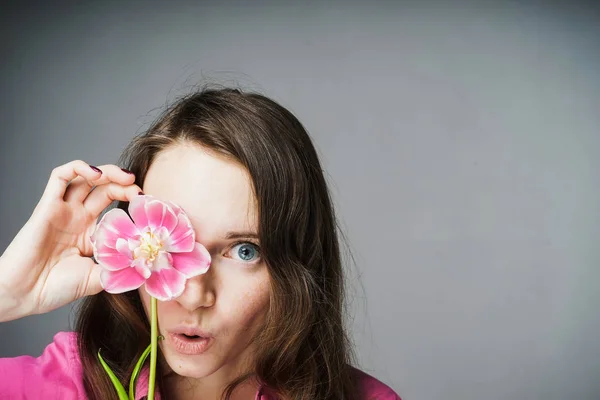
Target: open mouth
190	336
189	344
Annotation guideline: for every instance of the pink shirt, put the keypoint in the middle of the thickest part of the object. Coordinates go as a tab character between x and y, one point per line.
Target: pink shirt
57	374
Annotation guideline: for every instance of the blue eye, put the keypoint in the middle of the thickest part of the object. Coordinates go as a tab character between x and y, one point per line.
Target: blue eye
246	251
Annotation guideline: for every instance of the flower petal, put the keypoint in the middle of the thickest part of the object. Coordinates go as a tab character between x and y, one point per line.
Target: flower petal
142	267
133	244
183	238
123	247
159	215
121	281
114	224
110	258
176	209
137	210
193	263
117	220
165	284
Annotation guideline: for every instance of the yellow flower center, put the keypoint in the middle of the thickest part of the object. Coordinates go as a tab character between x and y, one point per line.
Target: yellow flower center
149	247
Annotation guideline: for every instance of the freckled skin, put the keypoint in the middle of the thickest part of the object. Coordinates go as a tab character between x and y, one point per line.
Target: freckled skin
232	298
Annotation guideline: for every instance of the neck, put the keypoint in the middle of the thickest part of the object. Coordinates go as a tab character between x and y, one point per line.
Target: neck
181	388
211	387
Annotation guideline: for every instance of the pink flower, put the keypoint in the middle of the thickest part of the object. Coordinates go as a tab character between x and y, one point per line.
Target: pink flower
158	248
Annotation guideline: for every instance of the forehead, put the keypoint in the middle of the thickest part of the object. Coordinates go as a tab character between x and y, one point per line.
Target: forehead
215	192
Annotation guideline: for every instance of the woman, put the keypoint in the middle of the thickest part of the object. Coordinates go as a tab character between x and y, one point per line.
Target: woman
269	309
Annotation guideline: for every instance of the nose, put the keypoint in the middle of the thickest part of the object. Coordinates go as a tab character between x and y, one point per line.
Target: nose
198	293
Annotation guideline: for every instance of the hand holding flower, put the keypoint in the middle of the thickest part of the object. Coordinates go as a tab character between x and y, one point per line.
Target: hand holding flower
48	264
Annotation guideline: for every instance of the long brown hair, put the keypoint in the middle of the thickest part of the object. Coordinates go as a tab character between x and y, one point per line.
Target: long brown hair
304	351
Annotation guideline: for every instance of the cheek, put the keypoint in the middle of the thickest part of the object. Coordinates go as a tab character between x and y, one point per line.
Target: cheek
145	299
249	301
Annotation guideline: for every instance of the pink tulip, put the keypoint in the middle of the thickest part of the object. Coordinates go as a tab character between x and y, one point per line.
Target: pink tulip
157	248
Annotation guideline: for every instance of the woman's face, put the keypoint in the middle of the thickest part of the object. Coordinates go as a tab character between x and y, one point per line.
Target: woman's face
230	301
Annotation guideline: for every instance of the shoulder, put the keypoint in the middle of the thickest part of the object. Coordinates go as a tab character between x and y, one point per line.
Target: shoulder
55	374
371	388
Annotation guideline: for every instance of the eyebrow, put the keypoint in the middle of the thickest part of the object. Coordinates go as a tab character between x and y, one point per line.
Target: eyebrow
242	234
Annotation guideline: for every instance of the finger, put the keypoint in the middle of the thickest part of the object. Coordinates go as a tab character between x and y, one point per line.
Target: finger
62	175
79	189
103	195
76	188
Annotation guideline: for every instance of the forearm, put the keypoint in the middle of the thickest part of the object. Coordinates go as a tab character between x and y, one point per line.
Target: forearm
10	306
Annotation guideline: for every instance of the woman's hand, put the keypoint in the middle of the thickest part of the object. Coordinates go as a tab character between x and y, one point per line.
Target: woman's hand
48	264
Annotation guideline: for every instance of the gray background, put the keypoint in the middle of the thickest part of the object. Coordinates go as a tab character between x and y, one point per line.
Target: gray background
460	139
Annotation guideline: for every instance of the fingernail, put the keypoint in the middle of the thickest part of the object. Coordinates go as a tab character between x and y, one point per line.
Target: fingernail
141	193
126	170
96	169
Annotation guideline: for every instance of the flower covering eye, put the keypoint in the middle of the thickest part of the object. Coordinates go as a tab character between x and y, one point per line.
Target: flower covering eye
157	248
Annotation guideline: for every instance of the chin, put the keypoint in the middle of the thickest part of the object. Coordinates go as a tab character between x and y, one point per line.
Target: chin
190	366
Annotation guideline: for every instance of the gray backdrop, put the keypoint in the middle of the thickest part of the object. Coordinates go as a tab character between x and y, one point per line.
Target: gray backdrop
460	139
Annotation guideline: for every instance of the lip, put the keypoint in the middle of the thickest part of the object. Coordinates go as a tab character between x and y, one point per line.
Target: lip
189	346
190	331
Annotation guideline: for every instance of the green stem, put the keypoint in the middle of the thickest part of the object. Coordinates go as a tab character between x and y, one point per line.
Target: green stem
154	346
